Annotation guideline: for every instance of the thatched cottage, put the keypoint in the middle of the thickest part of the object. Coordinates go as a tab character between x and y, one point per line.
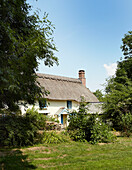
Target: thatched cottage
65	96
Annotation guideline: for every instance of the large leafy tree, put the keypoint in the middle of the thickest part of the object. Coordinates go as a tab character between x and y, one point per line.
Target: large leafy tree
118	98
24	40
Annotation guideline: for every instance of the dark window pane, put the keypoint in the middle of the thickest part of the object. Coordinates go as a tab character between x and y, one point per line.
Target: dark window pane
69	104
42	103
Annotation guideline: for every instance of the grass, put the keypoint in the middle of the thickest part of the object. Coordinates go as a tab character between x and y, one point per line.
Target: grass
73	155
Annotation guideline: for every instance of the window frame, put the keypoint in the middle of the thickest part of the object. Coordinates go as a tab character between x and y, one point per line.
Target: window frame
69	104
42	104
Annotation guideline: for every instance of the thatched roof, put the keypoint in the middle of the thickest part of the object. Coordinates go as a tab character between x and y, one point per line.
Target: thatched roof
64	88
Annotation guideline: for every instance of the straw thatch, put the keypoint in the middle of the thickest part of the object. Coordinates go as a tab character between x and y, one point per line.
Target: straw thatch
64	88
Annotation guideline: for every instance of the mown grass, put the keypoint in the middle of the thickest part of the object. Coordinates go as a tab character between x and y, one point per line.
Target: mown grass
73	155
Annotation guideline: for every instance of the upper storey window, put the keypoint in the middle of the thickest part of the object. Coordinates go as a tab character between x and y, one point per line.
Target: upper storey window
69	104
42	103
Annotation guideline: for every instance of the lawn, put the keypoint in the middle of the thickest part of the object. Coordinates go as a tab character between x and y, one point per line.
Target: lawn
73	155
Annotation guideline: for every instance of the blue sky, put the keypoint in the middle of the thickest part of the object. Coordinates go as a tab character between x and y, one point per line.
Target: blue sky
88	36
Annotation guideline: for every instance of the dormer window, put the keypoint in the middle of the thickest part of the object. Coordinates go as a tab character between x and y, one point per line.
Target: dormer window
69	104
42	103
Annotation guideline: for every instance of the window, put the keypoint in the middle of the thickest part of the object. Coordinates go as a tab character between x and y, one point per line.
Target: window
42	103
69	104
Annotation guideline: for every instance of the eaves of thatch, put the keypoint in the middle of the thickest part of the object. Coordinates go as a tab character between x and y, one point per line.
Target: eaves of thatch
64	88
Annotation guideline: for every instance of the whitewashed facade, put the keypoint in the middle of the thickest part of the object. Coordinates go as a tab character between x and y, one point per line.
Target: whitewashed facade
56	109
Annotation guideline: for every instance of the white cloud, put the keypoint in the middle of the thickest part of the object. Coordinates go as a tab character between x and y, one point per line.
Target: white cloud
111	68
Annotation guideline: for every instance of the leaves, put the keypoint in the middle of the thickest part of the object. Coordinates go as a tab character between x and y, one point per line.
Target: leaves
127	45
53	137
25	39
88	127
98	93
118	98
21	130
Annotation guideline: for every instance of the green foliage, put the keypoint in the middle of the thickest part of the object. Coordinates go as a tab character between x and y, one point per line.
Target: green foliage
100	132
126	124
77	135
25	39
37	119
21	130
51	118
42	103
88	127
118	98
127	45
98	93
53	137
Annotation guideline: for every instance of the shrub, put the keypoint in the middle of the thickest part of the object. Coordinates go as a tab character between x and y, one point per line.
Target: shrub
77	135
35	118
53	137
126	124
21	130
51	118
88	127
100	132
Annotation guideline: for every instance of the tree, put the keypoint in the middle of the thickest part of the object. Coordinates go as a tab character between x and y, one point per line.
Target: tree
98	93
118	98
127	45
24	40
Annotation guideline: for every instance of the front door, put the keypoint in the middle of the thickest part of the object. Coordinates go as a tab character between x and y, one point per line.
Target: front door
64	119
61	119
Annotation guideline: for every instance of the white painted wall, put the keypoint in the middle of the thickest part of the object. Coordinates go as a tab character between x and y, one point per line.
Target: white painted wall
52	108
55	105
95	108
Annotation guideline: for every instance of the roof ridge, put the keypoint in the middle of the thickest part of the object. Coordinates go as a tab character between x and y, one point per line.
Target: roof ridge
59	78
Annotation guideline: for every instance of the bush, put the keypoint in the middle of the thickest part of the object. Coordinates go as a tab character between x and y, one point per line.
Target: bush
35	118
100	132
21	130
53	137
88	127
77	135
51	118
126	124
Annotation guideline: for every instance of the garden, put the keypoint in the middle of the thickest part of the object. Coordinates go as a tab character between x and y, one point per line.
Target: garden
87	143
69	155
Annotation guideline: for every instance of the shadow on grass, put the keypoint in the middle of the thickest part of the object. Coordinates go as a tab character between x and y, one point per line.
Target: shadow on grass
14	160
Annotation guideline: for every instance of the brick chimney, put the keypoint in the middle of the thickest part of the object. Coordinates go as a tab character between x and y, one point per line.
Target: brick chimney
82	77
